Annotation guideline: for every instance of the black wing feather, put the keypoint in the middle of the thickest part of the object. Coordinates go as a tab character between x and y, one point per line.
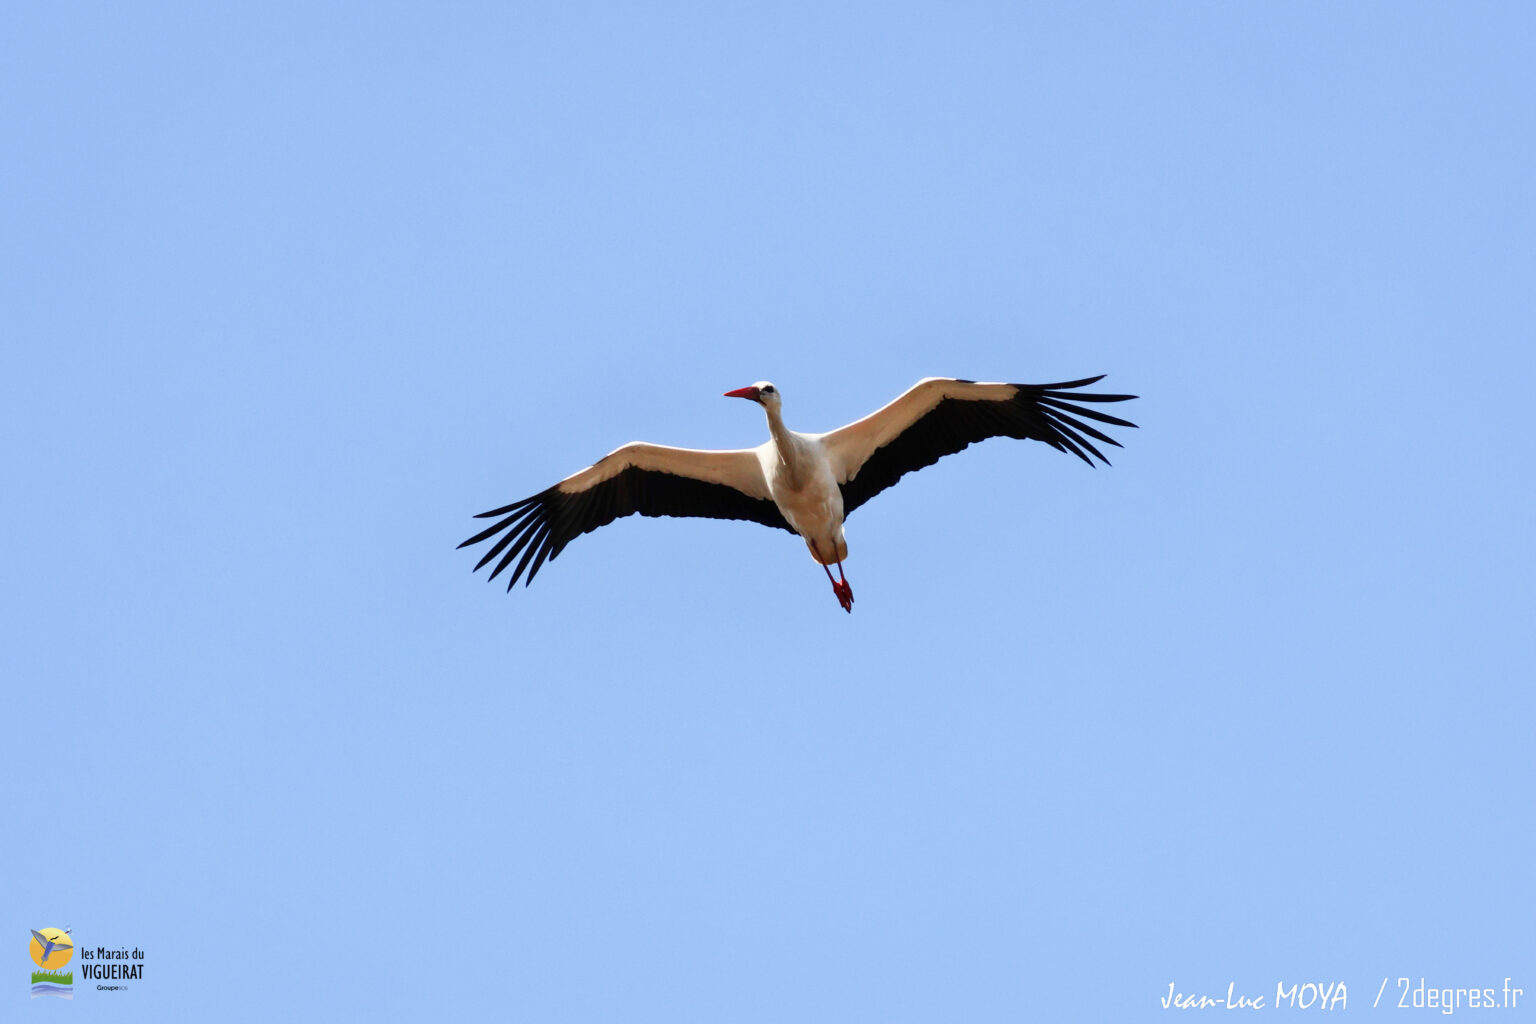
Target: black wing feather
1038	412
540	527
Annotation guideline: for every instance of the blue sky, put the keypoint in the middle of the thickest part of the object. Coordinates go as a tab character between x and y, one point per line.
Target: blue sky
290	292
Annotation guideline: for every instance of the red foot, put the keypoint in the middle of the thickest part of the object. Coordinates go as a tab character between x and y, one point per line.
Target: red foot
840	587
844	595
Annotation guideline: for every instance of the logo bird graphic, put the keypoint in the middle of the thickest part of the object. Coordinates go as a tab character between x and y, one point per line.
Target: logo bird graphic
50	945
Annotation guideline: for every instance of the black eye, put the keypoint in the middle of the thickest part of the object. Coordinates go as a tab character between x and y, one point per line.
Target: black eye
768	390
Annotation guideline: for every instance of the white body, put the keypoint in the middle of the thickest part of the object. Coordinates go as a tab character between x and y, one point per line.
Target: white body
801	481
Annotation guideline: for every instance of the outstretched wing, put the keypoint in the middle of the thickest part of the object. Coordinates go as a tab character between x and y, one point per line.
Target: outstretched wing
939	416
653	480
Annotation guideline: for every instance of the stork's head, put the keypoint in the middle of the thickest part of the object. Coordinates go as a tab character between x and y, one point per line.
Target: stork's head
763	393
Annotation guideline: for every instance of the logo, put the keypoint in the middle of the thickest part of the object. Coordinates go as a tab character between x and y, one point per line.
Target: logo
52	950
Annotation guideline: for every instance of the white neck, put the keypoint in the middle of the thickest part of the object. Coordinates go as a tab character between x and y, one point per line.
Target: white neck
776	427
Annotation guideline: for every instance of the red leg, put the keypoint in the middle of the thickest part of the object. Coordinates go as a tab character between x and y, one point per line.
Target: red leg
843	591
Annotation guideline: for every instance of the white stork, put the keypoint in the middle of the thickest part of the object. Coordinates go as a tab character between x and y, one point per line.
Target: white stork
803	483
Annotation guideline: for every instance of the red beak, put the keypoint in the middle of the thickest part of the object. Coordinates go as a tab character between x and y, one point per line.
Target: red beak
752	393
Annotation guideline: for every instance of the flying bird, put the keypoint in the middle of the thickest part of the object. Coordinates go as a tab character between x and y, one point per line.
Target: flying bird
49	945
804	483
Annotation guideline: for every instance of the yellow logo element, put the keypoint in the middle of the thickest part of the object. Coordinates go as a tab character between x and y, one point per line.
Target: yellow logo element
52	949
